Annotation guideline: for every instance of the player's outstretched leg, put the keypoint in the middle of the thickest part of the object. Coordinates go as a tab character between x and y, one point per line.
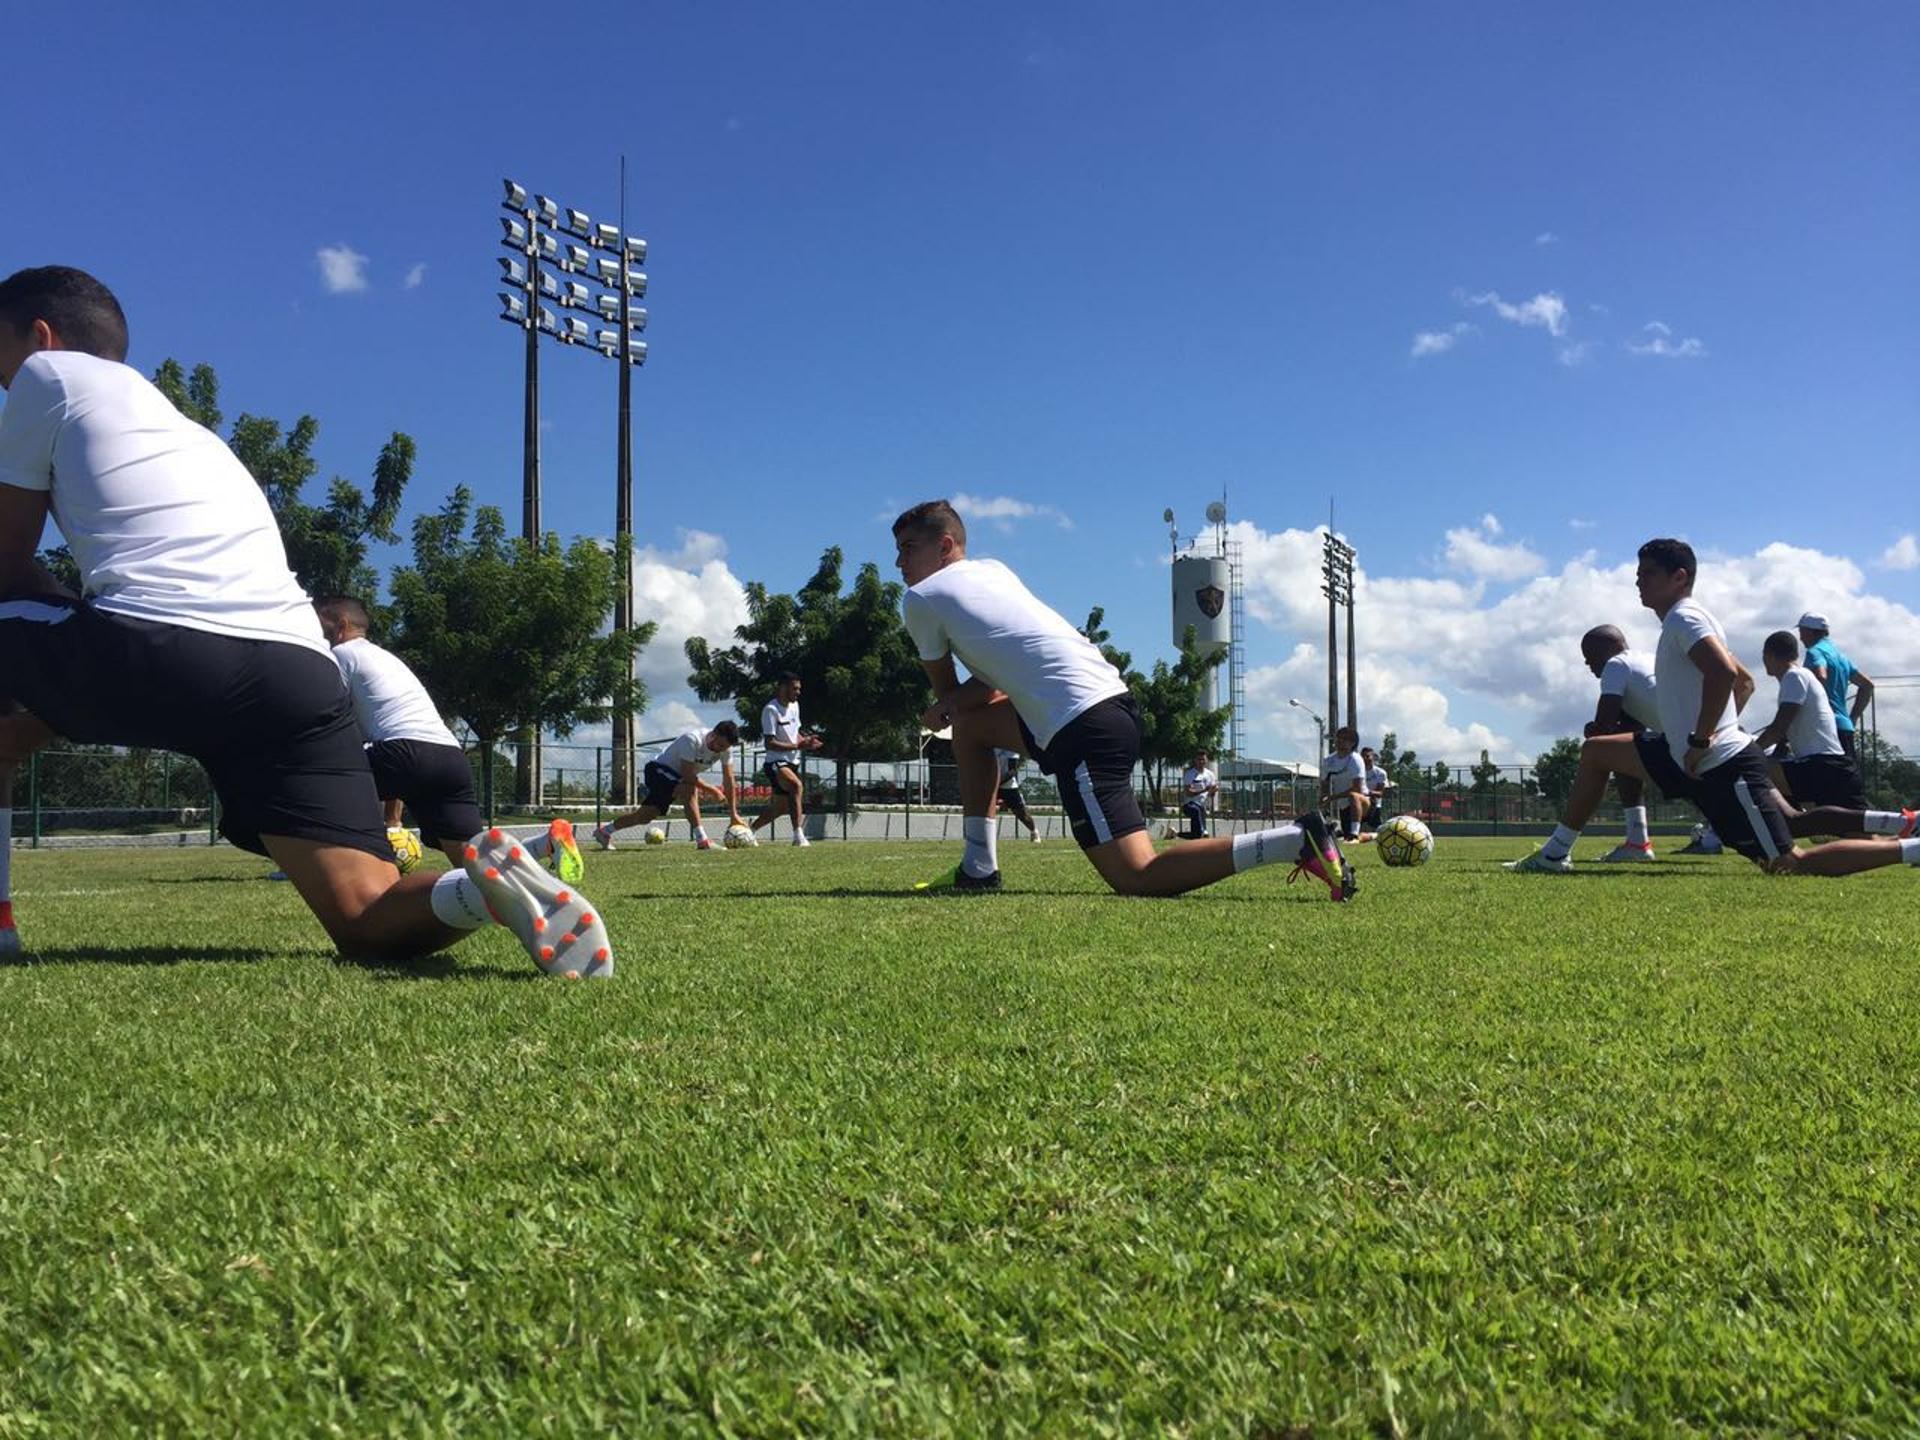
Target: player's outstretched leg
1637	846
556	925
1600	757
1850	857
1833	820
603	833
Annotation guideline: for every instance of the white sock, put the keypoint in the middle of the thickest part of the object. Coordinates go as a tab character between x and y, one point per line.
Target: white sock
1636	825
1910	852
1264	847
983	847
1559	844
1885	822
457	902
699	833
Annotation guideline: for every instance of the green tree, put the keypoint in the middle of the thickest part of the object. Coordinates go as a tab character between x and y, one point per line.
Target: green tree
1440	777
1174	722
1554	769
505	633
1486	775
865	686
1402	766
1893	778
1096	631
326	544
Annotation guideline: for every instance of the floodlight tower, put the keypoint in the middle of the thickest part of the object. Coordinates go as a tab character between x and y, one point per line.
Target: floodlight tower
605	260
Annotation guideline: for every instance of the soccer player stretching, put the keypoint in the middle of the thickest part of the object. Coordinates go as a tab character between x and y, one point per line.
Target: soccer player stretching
675	775
1703	753
194	636
1039	686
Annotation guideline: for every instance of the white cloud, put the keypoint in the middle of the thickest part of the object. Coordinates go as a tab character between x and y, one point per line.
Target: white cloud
1579	524
415	274
689	591
1477	552
1903	554
1545	310
343	270
1002	511
1575	353
1438	342
1546	237
1454	667
1660	342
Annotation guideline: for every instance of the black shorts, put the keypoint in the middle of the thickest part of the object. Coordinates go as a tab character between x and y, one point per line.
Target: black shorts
1657	760
1092	759
660	783
435	781
1825	780
772	768
1012	799
1741	804
269	720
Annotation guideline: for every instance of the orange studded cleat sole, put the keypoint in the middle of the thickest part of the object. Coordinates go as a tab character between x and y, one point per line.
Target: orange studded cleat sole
556	925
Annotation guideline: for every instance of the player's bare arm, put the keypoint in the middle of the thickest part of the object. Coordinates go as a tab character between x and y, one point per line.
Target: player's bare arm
23	515
1743	687
1719	672
1862	697
1777	727
1609	717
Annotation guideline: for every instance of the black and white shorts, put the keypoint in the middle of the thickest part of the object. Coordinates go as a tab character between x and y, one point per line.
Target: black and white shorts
1741	804
660	784
1011	799
1825	780
772	768
435	781
269	720
1092	760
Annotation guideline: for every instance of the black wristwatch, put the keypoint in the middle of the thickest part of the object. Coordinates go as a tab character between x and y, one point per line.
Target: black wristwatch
1699	742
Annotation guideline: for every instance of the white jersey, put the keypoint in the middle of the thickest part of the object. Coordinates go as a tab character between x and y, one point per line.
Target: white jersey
781	722
1009	767
978	612
1630	677
388	699
688	755
164	523
1376	779
1342	772
1198	781
1812	730
1678	686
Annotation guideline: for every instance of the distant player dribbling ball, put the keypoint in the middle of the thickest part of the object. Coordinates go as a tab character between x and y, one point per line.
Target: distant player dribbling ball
1403	841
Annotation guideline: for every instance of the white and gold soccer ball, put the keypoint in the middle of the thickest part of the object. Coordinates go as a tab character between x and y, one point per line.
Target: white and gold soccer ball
656	835
739	837
1404	840
406	847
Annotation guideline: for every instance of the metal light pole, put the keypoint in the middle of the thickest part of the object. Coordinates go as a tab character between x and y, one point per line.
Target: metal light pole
1319	724
607	287
1336	573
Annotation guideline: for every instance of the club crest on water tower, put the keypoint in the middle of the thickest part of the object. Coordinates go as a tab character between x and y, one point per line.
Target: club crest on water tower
1210	599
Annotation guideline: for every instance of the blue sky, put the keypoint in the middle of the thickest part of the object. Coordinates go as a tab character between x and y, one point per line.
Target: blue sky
1093	260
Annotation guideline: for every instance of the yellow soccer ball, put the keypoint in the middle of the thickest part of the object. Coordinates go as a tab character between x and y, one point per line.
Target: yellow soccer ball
406	847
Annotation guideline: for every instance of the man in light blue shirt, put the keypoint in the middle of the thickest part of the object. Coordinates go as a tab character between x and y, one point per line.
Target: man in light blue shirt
1836	674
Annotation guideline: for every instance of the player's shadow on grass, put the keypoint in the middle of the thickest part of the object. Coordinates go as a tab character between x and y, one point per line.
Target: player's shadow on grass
144	955
439	966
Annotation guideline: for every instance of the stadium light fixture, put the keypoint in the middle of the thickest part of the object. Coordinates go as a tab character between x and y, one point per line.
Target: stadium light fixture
579	260
548	211
606	236
516	196
513	272
578	296
579	224
515	308
513	232
636	318
636	250
637	284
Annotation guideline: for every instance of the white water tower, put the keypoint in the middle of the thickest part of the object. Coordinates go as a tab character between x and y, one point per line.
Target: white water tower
1206	595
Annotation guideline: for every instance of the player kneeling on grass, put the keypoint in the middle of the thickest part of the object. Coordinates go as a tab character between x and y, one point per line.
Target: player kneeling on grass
1815	768
417	764
1626	707
1704	755
194	636
674	776
1040	687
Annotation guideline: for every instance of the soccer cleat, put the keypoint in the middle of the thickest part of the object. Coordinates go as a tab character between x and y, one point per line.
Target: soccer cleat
703	843
9	943
557	926
800	839
603	836
1626	851
1538	863
1035	837
568	863
1320	857
957	882
1910	824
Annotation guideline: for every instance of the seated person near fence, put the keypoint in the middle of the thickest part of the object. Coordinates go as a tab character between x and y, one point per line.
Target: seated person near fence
193	635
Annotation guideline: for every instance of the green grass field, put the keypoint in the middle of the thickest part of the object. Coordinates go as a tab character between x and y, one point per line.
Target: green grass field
1477	1154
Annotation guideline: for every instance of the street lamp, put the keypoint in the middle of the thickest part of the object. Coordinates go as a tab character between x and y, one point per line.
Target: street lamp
594	254
1319	724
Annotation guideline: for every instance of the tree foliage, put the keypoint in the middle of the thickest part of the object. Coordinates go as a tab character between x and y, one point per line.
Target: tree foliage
1555	767
1486	775
1402	766
1174	721
505	633
865	687
326	544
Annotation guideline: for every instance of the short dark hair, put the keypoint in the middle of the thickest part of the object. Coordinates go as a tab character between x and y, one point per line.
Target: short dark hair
1671	555
1602	642
1783	643
347	608
76	307
931	519
1347	730
728	731
787	677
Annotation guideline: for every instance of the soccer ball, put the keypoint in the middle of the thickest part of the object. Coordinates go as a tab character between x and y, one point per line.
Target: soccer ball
656	835
1404	840
739	837
406	848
